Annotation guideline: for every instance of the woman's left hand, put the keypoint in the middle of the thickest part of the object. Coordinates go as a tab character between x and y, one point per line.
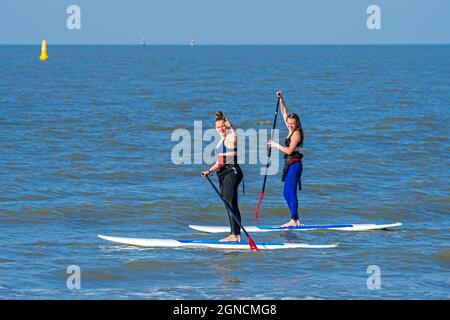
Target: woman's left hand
271	143
227	123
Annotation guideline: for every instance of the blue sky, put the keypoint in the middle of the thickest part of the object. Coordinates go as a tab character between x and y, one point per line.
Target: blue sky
225	21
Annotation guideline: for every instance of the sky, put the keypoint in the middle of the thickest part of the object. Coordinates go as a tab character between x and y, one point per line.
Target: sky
225	22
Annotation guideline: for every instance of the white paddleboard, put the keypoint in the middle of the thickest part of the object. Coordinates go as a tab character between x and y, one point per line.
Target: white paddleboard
170	243
341	227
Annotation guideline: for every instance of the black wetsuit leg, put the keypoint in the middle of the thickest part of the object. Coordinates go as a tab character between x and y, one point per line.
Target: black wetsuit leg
229	183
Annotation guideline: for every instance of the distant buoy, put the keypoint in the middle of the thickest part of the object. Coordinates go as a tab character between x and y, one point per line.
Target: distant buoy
44	55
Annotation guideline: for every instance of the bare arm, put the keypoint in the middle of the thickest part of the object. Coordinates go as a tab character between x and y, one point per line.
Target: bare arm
230	126
284	111
232	138
214	167
295	139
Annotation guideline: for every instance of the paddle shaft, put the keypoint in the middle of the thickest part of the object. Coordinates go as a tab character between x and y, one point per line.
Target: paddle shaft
269	153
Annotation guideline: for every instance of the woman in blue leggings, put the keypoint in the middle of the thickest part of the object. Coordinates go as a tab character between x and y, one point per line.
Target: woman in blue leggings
292	170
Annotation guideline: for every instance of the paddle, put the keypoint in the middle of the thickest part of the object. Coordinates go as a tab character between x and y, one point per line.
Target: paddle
261	195
252	244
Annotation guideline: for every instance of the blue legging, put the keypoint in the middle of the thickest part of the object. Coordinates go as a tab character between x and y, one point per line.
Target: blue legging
290	187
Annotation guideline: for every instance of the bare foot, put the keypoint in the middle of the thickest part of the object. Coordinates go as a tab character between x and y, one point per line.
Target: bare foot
291	223
231	238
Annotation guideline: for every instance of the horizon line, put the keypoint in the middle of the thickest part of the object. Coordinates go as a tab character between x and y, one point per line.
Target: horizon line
228	44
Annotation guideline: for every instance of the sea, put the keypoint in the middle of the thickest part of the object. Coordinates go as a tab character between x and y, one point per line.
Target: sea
88	146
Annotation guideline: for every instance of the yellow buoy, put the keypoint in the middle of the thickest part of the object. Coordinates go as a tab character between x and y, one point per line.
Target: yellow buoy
44	55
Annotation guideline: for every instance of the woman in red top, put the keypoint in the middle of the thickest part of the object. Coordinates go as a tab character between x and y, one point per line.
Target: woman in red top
229	173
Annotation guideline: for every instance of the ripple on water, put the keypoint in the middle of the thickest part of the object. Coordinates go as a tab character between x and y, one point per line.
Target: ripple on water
444	257
96	275
149	265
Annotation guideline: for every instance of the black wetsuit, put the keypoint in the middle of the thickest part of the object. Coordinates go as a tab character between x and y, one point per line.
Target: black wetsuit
230	176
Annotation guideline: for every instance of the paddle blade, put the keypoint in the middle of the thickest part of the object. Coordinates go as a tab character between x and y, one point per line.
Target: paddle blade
252	244
257	207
